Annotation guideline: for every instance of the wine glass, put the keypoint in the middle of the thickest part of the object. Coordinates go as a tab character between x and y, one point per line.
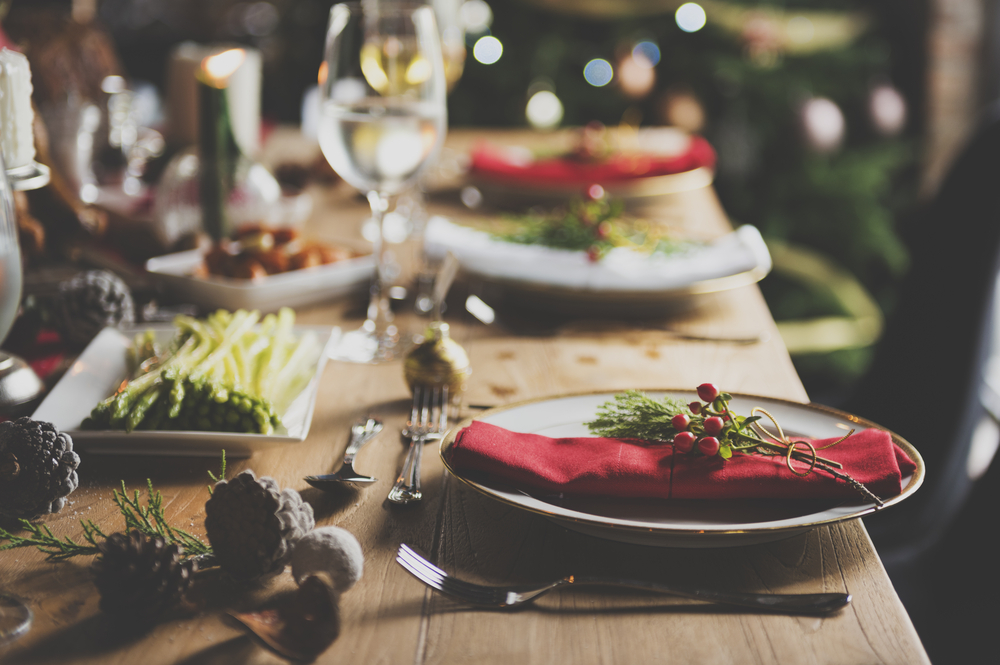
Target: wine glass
382	121
15	616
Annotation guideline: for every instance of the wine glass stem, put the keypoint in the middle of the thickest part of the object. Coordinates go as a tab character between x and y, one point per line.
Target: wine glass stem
379	312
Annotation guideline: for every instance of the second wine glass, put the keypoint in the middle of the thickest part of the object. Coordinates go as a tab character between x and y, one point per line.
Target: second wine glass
383	120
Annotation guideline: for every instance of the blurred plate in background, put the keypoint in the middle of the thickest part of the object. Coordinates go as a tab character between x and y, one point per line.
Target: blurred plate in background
174	273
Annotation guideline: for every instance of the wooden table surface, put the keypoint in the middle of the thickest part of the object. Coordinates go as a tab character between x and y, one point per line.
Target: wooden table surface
389	617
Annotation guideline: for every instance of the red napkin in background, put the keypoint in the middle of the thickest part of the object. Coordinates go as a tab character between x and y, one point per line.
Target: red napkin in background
597	466
498	163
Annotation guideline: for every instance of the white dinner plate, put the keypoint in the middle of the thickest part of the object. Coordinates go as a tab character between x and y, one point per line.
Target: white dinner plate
295	288
680	523
102	367
623	282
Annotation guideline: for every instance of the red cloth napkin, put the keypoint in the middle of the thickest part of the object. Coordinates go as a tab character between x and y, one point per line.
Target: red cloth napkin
597	466
498	164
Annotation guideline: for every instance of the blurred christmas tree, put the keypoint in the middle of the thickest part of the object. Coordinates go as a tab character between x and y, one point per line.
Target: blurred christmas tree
814	143
810	104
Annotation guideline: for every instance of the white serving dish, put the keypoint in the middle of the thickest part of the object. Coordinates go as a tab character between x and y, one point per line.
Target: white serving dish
102	367
296	288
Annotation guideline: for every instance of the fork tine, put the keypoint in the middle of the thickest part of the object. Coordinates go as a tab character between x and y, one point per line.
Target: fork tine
440	580
426	406
446	585
415	409
443	416
406	550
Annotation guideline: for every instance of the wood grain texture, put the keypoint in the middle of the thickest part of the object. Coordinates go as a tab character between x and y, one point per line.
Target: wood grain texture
391	618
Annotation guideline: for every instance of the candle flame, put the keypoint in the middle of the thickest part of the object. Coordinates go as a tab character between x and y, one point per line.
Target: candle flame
219	67
323	71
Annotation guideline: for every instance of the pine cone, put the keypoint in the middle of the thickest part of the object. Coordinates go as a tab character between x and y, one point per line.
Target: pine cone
140	576
37	468
253	526
89	302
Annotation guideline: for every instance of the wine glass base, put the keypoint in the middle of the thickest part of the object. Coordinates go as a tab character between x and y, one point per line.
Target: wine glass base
19	385
15	618
368	347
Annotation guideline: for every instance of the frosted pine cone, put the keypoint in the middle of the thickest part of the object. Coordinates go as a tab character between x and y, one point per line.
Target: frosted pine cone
252	525
89	302
37	468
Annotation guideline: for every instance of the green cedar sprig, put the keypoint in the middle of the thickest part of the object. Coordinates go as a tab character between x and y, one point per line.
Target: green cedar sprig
595	226
635	415
149	519
57	550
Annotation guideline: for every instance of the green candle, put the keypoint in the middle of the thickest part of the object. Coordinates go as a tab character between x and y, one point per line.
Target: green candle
219	152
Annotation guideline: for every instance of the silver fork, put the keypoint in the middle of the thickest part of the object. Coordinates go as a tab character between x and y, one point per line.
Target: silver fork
428	421
512	596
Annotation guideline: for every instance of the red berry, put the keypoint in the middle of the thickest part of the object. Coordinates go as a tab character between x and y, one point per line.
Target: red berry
684	442
708	392
594	253
680	422
695	407
603	230
708	446
713	425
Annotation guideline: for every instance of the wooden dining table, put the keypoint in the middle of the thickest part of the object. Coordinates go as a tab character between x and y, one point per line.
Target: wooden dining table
389	616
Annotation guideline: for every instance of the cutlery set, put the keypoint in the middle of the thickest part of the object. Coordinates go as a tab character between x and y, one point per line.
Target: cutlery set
428	422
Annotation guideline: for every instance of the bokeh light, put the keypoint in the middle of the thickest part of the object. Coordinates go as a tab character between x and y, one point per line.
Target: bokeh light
635	77
800	30
487	50
648	51
888	110
544	110
823	124
690	17
476	16
598	72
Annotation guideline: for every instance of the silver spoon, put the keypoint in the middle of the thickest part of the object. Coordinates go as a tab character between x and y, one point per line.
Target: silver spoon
361	433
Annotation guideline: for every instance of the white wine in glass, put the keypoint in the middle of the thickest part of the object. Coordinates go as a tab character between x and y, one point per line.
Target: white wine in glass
383	120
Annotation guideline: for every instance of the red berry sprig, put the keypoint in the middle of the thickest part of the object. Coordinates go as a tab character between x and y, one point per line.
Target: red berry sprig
711	428
708	427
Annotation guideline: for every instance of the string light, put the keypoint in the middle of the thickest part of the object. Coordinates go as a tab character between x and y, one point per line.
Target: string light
476	16
544	110
635	76
598	72
648	51
690	17
487	50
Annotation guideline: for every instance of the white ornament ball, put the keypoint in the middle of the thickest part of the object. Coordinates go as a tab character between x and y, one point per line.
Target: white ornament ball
822	124
330	550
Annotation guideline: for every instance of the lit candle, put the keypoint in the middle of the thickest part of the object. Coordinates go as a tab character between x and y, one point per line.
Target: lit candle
243	90
17	136
218	150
